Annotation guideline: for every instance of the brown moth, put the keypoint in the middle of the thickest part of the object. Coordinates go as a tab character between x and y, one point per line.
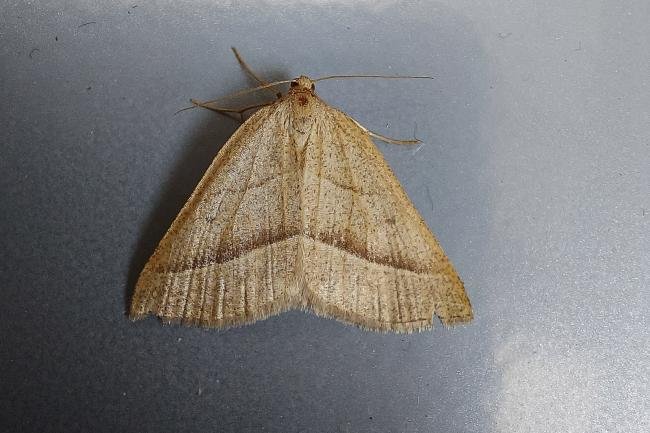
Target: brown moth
300	210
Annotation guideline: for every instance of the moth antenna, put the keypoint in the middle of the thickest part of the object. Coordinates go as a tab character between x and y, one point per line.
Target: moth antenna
247	91
336	77
242	92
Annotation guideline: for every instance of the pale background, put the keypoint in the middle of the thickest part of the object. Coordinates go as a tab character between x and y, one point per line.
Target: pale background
534	175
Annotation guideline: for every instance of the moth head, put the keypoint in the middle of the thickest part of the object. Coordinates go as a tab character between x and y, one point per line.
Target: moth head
302	84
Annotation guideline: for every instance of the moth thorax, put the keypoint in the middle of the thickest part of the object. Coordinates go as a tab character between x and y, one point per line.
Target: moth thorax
302	83
300	129
304	109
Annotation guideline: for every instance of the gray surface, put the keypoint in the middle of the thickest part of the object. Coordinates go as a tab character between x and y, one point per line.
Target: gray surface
534	176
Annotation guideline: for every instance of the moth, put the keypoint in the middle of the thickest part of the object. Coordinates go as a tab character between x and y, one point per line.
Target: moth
299	209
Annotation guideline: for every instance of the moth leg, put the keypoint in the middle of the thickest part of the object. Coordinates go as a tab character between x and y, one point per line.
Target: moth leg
392	140
229	111
383	137
250	72
246	68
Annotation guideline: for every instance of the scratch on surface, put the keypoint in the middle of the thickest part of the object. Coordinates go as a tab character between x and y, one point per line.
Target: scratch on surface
429	197
418	148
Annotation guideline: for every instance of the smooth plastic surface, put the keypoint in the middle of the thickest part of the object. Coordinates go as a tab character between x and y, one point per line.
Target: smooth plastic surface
534	175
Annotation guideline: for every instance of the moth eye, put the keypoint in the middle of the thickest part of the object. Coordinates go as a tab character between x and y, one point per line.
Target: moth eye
313	86
294	83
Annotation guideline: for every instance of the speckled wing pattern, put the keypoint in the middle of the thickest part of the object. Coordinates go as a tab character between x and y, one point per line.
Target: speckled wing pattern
369	257
229	257
300	210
